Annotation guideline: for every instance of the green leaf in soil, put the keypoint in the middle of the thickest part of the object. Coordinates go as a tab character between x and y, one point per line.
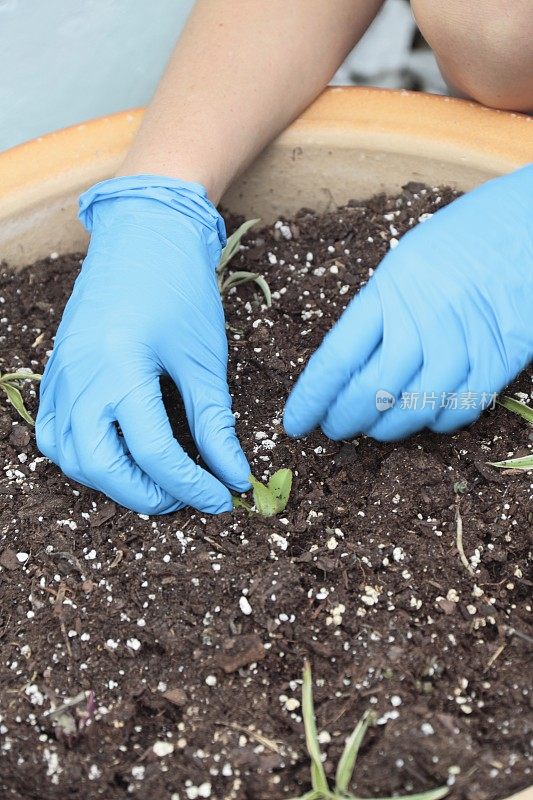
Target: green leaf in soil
347	761
238	502
15	398
10	377
280	485
265	288
233	243
318	776
271	499
264	500
238	278
517	408
525	463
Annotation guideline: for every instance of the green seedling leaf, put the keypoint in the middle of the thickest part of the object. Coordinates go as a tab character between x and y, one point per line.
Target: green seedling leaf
10	377
238	502
264	500
265	288
234	242
318	776
517	408
237	278
460	487
15	398
271	499
321	790
347	761
10	382
525	463
280	485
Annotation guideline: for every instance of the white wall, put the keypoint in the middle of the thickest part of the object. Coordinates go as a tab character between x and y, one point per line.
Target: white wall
64	61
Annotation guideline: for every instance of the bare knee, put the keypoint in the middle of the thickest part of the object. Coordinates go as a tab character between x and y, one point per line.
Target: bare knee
484	49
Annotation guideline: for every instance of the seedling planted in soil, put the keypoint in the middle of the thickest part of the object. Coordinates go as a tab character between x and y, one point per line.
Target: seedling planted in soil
271	499
525	462
225	281
10	383
346	765
69	721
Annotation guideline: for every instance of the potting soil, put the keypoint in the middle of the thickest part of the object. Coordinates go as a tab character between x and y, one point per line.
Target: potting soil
175	686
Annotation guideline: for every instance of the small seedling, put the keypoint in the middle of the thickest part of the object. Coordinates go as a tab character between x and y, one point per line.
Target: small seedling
225	281
525	462
69	721
346	765
10	383
271	499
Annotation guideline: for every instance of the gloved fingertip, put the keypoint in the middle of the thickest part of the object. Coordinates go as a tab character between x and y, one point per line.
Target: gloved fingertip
224	456
292	422
169	508
219	504
242	486
236	474
331	431
244	470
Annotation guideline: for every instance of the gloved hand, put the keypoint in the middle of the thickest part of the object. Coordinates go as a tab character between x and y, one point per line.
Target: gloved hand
447	319
146	303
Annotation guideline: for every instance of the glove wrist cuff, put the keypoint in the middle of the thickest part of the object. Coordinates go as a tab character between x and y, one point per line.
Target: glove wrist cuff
182	196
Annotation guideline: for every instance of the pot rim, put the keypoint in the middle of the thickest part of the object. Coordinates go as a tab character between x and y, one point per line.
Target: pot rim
380	119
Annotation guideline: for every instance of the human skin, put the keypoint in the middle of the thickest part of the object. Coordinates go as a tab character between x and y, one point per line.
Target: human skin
484	49
241	72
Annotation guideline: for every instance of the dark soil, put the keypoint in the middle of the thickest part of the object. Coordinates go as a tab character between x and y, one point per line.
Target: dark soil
361	575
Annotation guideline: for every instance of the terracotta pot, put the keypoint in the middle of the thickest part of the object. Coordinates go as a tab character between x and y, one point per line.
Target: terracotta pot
350	143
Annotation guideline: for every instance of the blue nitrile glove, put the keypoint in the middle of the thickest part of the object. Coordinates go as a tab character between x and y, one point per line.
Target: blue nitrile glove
146	303
445	322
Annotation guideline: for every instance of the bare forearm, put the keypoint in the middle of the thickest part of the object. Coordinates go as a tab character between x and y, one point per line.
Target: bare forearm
242	70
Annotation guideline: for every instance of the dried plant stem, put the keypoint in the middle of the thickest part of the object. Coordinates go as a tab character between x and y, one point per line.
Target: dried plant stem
459	541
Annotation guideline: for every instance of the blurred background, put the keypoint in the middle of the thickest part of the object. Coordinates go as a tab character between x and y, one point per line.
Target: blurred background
66	61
